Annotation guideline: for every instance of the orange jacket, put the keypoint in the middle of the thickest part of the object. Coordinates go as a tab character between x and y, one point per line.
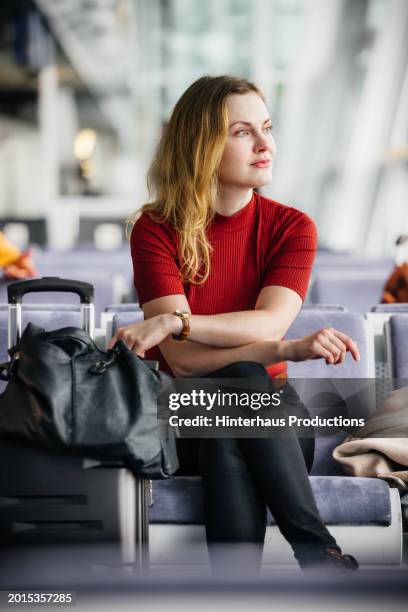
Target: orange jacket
396	288
8	252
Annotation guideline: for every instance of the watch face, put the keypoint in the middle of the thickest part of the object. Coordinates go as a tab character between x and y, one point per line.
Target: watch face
182	314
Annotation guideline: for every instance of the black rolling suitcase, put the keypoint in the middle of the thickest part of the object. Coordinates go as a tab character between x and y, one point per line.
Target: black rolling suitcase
57	498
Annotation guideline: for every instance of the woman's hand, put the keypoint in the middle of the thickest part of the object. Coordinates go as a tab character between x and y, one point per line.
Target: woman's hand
328	343
140	337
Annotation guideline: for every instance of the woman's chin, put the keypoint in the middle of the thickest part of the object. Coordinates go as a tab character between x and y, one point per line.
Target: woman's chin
264	181
262	177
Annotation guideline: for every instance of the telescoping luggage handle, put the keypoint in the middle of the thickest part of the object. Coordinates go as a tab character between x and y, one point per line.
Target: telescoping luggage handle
134	549
17	290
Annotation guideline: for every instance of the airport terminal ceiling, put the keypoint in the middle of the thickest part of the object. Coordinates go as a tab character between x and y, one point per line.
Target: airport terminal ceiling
107	73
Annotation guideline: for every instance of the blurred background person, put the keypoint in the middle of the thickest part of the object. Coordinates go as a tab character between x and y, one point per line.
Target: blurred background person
14	263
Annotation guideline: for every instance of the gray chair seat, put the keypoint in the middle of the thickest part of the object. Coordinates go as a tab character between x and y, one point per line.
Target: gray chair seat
340	500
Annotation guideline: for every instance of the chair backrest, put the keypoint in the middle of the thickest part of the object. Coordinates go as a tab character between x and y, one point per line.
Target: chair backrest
391	308
128	307
377	322
123	319
331	307
323	462
322	388
350	323
113	260
49	306
358	289
48	319
336	261
111	274
397	345
108	288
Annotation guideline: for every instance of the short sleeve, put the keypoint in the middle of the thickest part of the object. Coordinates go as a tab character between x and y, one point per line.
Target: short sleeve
154	256
290	264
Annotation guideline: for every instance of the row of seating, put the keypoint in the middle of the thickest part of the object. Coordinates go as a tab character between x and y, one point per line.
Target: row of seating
93	502
346	504
109	272
357	284
380	346
106	233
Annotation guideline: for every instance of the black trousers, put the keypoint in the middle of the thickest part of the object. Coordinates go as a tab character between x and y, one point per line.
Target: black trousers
244	476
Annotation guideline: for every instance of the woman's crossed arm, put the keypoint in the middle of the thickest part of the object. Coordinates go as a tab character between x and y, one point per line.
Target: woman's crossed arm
230	337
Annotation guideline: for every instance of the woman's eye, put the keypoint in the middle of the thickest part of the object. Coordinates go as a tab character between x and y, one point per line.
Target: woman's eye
242	133
268	129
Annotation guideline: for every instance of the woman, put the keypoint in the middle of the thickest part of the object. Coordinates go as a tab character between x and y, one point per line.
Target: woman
226	270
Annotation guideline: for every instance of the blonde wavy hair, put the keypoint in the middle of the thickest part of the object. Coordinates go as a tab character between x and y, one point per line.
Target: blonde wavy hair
182	179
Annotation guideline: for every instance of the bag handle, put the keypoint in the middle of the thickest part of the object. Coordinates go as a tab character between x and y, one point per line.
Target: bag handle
101	366
7	368
16	291
4	371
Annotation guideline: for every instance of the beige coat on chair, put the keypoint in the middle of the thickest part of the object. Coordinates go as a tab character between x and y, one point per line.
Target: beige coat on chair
380	448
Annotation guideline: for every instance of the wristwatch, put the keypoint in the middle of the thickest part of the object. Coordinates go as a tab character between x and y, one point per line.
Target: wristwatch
185	317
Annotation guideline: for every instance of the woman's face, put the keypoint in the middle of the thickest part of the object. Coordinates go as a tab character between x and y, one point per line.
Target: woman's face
250	148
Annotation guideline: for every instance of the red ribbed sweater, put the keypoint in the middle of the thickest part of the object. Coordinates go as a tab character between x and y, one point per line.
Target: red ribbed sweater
264	243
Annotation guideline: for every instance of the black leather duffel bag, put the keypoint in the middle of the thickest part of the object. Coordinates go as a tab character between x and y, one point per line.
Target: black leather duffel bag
66	393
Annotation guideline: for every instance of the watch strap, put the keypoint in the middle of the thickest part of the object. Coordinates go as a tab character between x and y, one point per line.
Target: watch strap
185	318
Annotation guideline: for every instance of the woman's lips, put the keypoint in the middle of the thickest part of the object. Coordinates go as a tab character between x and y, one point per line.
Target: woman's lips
262	164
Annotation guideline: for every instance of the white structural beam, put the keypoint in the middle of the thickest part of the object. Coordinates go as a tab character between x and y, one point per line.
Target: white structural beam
364	156
48	119
390	215
301	106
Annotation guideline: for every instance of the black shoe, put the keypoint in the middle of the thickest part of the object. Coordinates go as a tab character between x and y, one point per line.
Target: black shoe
330	560
334	560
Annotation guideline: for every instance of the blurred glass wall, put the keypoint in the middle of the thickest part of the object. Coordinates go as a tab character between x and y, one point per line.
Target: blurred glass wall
85	86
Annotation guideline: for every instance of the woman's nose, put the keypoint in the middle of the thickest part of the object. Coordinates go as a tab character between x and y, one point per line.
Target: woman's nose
261	143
